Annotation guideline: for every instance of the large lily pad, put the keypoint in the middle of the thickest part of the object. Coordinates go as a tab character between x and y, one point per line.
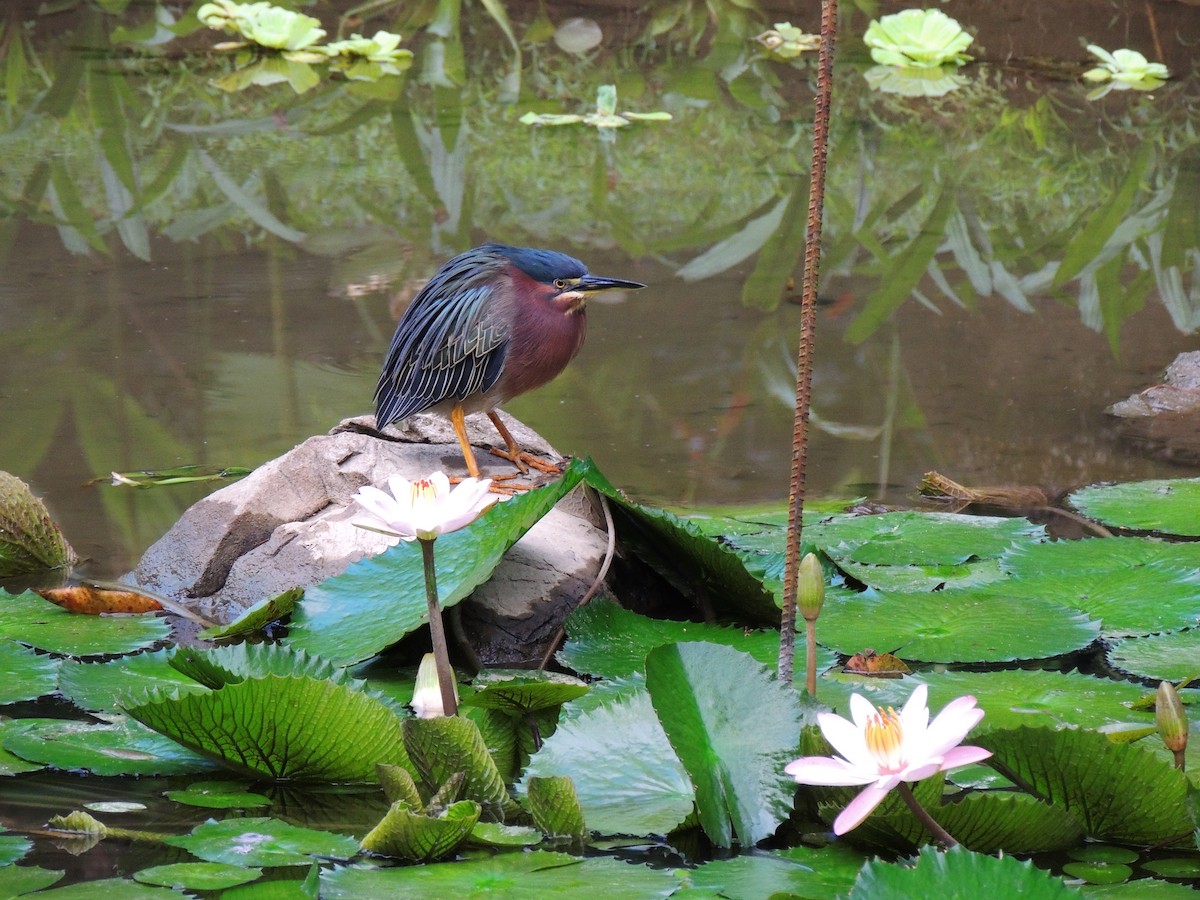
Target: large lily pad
922	539
982	624
264	842
734	727
1162	657
823	874
121	748
1169	506
29	619
110	685
610	641
283	727
958	875
626	775
505	876
1118	792
18	880
25	675
377	601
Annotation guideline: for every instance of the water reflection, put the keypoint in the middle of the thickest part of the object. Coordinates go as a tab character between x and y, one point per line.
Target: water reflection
194	275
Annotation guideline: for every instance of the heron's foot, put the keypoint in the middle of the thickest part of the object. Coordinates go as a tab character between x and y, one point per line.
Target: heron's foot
504	485
524	461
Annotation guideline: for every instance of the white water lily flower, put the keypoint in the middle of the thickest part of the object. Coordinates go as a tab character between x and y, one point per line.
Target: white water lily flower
424	508
882	748
427	693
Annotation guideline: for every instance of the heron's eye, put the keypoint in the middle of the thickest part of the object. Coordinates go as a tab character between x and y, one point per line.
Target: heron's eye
560	283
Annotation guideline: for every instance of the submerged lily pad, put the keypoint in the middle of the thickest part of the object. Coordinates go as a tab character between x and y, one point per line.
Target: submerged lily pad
29	619
282	727
626	774
263	842
983	624
122	748
1169	506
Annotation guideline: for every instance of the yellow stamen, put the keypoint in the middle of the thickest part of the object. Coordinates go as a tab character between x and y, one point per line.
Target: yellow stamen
885	737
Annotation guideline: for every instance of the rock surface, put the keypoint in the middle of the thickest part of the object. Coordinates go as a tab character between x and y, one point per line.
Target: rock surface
1164	420
288	524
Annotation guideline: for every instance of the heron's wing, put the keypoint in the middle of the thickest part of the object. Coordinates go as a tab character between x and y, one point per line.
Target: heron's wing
450	344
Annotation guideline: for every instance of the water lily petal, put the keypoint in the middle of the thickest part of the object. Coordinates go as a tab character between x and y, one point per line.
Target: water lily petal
377	502
849	741
826	771
958	717
859	808
964	756
861	710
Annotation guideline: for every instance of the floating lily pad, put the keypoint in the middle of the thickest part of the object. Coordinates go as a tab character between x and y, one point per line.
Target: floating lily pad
107	888
799	872
923	578
626	775
218	795
1098	872
493	834
922	539
111	685
984	624
29	619
1163	657
122	748
1168	506
1176	867
205	876
957	874
25	675
115	806
547	876
1105	853
263	842
282	727
257	617
734	727
610	641
18	880
13	847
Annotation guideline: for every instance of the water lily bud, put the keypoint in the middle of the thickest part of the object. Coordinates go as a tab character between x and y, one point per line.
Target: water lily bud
427	697
810	587
1172	720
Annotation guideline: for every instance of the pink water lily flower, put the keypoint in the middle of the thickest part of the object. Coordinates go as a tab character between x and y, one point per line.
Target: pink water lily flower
882	748
424	508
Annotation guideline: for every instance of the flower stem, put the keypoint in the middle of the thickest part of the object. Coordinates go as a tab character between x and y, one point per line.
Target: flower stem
810	653
437	631
940	834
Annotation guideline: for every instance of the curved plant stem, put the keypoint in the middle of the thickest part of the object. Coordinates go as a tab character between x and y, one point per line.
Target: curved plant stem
808	314
437	631
940	834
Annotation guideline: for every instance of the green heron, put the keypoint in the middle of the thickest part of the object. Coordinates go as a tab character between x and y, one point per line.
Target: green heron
492	323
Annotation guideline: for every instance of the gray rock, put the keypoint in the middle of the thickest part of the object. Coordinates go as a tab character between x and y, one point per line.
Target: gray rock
288	524
1179	392
1163	421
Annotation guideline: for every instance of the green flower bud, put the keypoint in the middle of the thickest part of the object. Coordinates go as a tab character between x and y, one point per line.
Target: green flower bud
1172	720
810	587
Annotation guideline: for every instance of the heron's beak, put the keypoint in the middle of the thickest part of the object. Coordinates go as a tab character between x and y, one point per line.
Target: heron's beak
593	284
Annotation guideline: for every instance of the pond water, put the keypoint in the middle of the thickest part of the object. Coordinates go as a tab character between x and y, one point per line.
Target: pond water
199	275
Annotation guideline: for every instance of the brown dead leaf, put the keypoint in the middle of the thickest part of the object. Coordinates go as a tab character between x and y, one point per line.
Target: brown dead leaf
88	600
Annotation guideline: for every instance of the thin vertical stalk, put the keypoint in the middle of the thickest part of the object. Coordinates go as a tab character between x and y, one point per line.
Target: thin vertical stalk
810	661
437	631
808	316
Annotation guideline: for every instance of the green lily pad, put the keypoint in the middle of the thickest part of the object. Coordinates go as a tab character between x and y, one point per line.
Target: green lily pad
505	876
221	666
29	619
957	874
798	872
282	727
1104	853
1098	872
983	624
606	640
1001	821
110	685
218	795
1168	506
25	675
520	691
12	848
11	764
734	727
923	578
443	747
555	808
18	880
377	601
626	775
121	748
493	834
1118	792
107	888
204	876
911	538
263	842
1164	657
1175	867
409	834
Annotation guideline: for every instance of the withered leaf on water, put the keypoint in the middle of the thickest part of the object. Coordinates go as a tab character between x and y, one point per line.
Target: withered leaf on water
89	600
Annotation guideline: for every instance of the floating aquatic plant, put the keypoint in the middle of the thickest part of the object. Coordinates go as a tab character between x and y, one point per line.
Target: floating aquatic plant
263	24
917	38
605	116
1124	70
786	41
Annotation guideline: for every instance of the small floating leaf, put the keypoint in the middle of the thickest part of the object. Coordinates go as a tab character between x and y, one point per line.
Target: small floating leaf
205	876
218	795
256	617
263	842
121	748
1168	506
